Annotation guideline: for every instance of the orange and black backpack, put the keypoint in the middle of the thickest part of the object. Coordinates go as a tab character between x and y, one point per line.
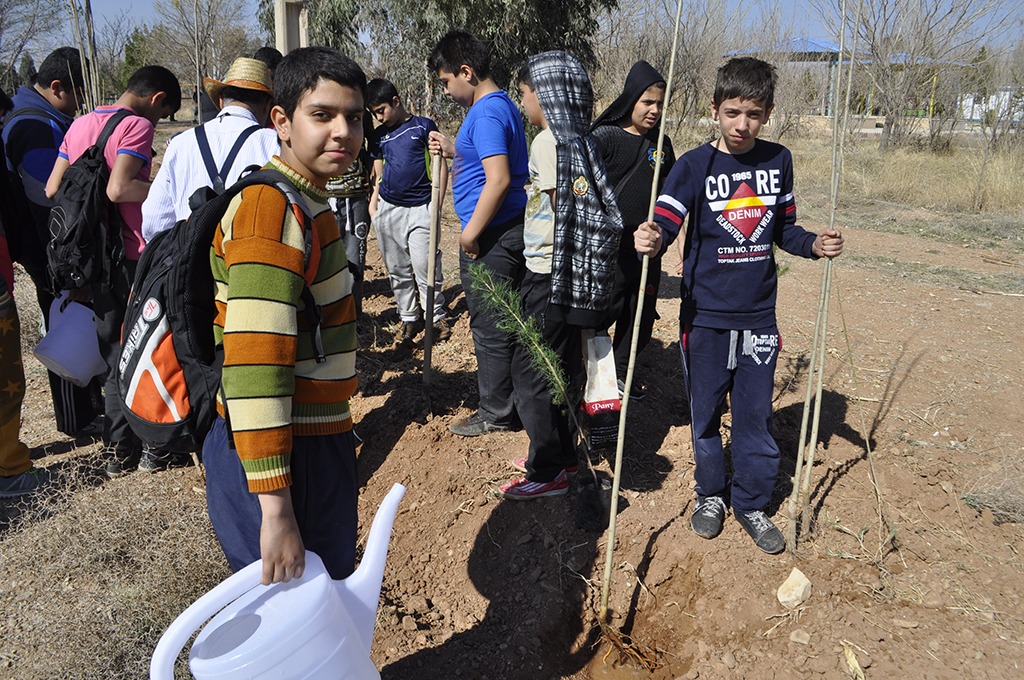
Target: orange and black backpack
169	369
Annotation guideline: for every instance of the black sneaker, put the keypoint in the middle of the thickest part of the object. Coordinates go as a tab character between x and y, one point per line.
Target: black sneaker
441	331
474	426
766	535
636	390
155	461
122	460
708	516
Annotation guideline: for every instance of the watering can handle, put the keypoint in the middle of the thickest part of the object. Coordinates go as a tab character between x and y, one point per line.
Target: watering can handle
161	667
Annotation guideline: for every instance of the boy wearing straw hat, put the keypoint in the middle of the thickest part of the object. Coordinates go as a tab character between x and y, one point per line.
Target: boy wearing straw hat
235	140
738	194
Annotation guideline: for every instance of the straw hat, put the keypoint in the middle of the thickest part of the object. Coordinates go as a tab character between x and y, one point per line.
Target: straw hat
248	74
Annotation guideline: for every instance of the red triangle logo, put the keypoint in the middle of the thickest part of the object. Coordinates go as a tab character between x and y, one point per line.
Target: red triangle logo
744	210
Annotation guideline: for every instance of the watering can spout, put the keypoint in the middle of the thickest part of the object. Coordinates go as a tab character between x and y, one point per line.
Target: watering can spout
361	591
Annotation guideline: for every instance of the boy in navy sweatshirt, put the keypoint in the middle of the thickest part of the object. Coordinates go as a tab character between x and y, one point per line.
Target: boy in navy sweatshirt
738	194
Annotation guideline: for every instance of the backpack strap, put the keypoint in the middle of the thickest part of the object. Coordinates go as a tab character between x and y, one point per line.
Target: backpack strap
32	111
230	160
207	154
111	125
218	177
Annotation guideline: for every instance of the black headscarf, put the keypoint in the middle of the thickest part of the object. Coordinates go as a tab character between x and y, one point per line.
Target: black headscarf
641	76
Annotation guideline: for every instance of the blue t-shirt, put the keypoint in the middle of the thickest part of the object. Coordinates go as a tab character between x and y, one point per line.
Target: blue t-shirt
492	127
406	180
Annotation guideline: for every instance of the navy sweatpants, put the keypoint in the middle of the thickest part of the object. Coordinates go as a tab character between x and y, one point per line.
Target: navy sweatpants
750	380
324	495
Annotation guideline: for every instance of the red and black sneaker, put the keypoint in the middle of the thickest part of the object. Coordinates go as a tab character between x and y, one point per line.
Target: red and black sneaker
525	490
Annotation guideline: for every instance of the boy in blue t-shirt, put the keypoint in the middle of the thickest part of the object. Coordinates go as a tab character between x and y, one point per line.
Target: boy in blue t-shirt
489	176
738	194
400	206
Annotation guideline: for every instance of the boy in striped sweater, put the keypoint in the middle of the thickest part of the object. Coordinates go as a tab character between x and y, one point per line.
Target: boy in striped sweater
281	470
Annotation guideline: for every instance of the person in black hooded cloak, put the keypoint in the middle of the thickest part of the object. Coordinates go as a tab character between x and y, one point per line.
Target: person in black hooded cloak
627	133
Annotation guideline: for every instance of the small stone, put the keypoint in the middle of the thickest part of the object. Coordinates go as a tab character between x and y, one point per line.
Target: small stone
692	675
864	660
904	623
408	623
933	600
524	539
800	637
979	655
934	645
729	660
419	604
795	591
421	639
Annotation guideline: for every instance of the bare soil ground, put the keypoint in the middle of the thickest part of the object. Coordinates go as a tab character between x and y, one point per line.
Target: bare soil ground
481	588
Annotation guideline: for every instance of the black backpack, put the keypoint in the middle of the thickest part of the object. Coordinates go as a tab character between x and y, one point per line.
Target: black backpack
169	370
85	227
13	212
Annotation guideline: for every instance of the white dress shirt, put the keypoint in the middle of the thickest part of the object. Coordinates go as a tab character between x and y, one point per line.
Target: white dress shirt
183	170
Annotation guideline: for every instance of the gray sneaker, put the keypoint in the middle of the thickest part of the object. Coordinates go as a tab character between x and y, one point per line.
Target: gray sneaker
26	483
708	516
474	426
766	535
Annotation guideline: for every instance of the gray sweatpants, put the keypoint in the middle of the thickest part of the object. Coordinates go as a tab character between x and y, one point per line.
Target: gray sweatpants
403	235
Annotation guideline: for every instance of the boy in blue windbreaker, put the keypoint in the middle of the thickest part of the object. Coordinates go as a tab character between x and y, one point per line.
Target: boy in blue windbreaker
738	194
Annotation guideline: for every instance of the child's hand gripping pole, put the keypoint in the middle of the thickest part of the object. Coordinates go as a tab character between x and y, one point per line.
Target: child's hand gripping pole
606	582
435	223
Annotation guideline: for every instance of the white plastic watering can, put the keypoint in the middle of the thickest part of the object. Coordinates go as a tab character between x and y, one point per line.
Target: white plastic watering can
311	627
71	348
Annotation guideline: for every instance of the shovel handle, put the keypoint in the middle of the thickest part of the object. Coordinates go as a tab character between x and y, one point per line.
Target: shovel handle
435	223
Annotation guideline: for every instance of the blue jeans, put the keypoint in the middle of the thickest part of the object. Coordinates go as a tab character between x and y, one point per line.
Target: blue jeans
501	250
324	493
751	384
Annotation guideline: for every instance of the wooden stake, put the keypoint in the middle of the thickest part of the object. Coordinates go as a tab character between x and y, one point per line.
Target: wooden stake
606	582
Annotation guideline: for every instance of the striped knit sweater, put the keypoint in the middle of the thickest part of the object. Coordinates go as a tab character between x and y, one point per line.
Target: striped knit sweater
274	388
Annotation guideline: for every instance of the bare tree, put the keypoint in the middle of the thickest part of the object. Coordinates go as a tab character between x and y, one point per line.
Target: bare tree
111	41
23	22
907	44
999	94
639	29
221	37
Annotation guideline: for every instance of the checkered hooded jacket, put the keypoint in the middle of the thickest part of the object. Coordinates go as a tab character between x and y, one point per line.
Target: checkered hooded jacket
588	225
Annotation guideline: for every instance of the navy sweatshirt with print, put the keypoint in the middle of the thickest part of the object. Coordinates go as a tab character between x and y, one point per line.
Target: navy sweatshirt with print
738	206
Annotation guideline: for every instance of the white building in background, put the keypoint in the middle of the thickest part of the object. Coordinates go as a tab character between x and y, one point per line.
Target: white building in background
1006	105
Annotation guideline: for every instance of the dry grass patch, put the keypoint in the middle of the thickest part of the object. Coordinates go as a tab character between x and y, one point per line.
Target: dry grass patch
946	182
94	572
1000	489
